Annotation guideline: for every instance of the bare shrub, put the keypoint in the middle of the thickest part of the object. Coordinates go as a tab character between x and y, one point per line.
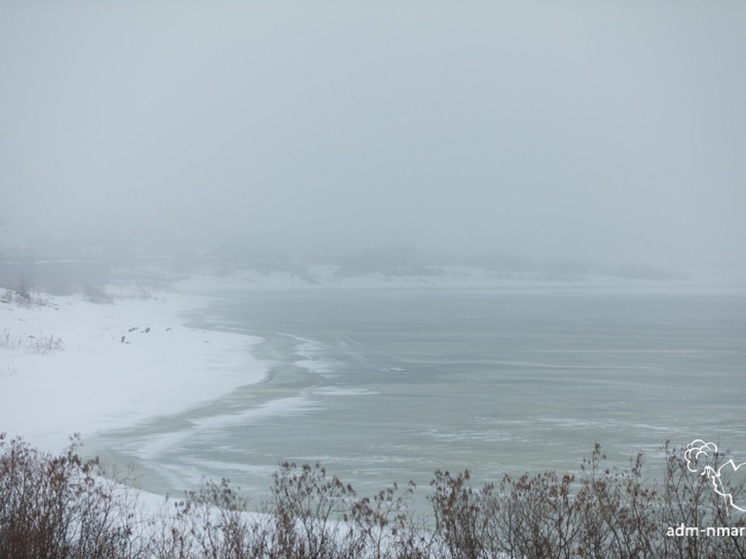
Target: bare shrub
98	295
309	512
30	344
24	294
10	342
535	517
23	291
312	515
688	498
543	516
616	510
609	513
43	344
210	522
56	507
388	527
64	506
464	516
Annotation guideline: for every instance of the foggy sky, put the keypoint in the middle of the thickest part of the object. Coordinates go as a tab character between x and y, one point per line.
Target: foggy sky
602	130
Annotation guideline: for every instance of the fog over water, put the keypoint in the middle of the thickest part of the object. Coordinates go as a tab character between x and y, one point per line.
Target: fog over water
611	131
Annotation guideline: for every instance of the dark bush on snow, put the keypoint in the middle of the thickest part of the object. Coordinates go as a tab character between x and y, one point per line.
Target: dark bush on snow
58	507
62	506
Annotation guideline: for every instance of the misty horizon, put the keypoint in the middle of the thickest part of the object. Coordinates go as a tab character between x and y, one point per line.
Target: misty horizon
592	133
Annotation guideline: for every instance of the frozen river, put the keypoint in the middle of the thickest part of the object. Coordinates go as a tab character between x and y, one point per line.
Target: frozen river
384	385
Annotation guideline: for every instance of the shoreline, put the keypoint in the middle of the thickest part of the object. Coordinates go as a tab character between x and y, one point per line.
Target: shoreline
107	366
70	365
139	362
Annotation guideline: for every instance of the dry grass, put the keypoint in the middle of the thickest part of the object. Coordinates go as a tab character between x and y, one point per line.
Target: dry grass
40	345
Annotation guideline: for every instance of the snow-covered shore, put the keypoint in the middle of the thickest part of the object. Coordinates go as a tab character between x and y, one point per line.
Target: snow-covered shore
73	366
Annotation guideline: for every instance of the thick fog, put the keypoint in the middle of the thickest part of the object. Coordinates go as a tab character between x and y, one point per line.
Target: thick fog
610	131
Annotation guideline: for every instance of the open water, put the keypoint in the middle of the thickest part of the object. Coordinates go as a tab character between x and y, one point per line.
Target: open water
388	385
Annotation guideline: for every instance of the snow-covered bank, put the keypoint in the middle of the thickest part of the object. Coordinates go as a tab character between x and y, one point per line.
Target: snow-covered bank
71	365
